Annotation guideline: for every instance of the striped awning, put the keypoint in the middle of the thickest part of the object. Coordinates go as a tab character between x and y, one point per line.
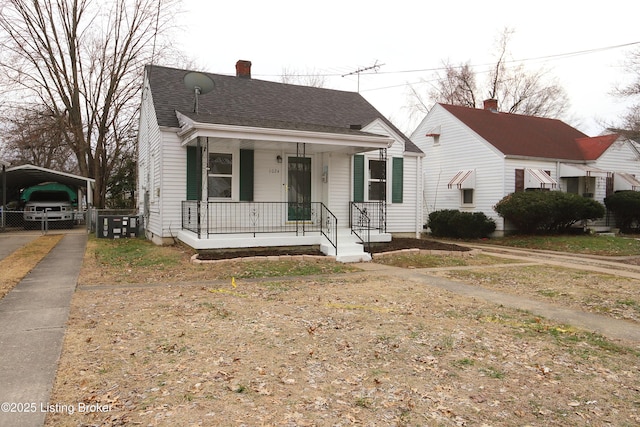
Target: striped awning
625	181
463	180
537	178
577	169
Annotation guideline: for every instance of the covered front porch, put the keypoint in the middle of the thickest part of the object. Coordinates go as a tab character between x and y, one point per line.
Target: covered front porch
255	187
233	225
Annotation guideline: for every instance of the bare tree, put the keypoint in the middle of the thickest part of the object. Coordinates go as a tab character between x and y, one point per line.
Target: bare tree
36	138
83	62
516	89
458	86
306	78
630	125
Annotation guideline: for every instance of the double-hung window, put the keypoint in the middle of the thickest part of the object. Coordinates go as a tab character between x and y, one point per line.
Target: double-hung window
377	180
220	174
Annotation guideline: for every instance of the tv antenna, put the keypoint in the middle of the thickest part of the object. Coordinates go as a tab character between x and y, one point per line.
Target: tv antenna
375	67
198	83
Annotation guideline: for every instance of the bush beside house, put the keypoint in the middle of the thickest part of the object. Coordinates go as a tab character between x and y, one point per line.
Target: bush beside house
625	206
547	211
456	224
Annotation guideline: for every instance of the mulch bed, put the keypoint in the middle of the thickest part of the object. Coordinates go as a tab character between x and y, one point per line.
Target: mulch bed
394	245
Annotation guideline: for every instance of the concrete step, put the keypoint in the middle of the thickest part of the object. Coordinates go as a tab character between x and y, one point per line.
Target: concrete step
349	248
359	257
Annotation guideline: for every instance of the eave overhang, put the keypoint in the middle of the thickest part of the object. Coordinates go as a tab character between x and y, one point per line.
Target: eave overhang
191	130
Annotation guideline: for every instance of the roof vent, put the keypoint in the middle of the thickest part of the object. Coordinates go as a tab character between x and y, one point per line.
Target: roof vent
355	127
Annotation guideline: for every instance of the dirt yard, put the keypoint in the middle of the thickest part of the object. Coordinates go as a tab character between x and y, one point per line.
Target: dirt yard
332	350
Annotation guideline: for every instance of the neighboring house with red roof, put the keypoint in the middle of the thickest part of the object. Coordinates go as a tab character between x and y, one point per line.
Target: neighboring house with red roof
475	157
229	161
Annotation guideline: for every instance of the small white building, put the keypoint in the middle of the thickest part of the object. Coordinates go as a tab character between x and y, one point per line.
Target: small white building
234	162
475	157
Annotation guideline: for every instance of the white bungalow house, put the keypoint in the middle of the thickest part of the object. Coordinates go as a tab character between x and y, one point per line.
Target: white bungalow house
234	162
475	157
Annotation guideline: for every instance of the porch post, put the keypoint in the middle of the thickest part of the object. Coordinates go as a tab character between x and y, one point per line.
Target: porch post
199	186
382	224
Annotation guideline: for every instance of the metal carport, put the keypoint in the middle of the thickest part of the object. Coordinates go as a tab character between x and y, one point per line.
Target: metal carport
17	178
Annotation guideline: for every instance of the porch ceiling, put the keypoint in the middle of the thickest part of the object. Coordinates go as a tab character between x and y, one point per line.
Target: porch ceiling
282	139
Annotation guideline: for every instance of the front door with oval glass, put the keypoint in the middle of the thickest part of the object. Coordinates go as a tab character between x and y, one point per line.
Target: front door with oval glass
299	188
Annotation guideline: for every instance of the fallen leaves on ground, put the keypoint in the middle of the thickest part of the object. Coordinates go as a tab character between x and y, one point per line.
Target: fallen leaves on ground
334	351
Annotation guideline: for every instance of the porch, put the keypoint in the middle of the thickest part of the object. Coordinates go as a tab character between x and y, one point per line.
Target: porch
225	225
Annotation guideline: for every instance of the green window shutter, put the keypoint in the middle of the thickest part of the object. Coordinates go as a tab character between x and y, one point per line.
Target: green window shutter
358	178
246	175
194	174
397	174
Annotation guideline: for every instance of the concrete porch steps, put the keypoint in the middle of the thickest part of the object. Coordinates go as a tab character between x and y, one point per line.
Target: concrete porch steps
349	248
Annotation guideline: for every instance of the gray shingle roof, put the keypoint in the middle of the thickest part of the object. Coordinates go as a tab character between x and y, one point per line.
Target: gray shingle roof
260	103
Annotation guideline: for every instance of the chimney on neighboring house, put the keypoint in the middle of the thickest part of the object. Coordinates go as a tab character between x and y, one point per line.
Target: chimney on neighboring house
491	105
243	69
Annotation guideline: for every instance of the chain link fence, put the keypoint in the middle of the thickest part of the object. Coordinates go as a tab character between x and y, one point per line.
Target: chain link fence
12	220
109	223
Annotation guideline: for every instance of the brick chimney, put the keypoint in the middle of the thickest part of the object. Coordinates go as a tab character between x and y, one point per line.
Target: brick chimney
491	105
243	69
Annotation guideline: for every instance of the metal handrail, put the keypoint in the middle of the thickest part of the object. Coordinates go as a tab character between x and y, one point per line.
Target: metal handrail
329	226
360	224
376	212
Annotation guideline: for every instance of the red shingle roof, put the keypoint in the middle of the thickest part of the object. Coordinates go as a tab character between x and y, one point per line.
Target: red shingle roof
529	136
592	148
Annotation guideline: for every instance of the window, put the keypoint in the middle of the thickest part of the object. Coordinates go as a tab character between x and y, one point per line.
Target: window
467	196
220	172
377	180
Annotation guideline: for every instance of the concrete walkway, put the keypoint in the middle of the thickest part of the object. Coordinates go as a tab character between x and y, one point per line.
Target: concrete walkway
33	318
604	325
11	242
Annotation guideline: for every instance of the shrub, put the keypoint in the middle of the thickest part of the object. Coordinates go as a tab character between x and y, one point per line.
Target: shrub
625	206
456	224
547	211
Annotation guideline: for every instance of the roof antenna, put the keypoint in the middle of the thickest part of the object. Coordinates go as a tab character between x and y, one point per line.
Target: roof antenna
375	67
200	84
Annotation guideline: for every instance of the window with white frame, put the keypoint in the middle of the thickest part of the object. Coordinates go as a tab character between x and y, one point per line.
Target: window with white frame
467	196
377	184
220	174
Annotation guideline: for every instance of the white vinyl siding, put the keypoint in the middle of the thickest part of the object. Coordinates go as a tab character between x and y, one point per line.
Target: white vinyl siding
149	141
339	185
458	149
405	217
269	176
173	184
620	157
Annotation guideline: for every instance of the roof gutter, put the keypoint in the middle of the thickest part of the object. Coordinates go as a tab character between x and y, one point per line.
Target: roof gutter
192	130
546	159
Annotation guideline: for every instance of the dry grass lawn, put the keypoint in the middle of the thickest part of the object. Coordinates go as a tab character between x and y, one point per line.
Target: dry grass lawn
188	348
614	296
16	265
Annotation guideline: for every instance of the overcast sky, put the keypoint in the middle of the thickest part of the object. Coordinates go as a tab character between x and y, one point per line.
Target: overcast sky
334	38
